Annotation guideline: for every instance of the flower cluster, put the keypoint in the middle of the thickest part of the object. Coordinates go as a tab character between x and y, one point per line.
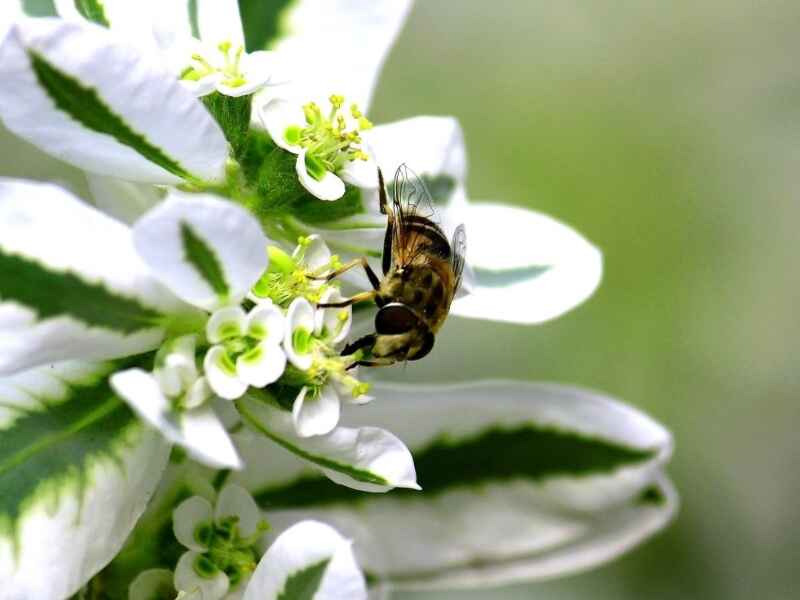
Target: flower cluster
171	364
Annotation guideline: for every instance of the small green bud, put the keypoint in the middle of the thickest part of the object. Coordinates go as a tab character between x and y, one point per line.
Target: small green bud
204	567
280	261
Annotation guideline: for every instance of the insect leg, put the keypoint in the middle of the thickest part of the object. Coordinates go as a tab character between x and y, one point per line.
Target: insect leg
362	342
381	362
373	278
362	297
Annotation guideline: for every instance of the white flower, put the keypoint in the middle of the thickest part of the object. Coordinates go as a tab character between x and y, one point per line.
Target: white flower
221	542
246	351
310	341
212	58
222	560
329	148
225	68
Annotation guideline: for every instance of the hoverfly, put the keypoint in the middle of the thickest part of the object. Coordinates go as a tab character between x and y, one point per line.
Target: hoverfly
421	275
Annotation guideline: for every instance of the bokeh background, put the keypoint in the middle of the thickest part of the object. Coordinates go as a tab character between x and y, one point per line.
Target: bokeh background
669	134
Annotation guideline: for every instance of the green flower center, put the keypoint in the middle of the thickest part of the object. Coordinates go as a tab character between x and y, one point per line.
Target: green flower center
228	551
287	277
327	139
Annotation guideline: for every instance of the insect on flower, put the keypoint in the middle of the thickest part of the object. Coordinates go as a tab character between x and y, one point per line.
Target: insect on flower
421	275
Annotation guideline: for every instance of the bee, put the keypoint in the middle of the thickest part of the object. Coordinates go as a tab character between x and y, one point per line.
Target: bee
421	275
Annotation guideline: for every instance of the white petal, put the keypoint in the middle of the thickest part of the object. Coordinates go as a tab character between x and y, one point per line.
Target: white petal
361	173
263	365
257	69
187	517
100	466
330	320
265	66
206	250
219	21
529	268
198	430
359	34
297	552
225	323
138	123
153	583
367	458
95	299
123	200
266	323
330	187
299	316
203	86
276	116
316	414
222	379
187	579
235	501
316	253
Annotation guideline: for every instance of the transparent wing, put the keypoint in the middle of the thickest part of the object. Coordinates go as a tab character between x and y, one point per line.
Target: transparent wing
413	214
458	249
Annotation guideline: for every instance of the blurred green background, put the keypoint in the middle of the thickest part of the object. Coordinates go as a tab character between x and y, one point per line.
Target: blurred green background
668	133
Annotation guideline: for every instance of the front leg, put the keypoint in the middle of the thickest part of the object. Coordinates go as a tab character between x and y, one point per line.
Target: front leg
362	297
373	278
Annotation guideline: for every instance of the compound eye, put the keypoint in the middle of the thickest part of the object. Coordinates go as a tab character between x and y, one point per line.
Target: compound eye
426	348
395	318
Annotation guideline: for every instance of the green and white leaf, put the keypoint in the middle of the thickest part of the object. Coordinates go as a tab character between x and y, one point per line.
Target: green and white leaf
309	561
71	283
364	458
76	471
105	106
305	31
519	481
208	251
